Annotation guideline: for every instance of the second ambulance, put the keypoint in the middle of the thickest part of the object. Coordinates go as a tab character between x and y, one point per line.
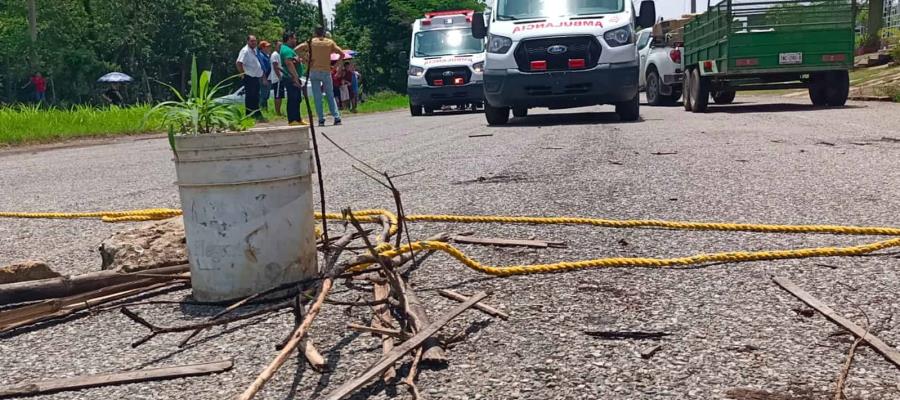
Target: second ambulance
445	63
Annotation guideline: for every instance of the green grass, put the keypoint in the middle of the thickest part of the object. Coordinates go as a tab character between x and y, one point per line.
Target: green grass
32	124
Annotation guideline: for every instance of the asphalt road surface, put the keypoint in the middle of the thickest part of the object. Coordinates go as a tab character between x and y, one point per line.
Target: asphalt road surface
763	159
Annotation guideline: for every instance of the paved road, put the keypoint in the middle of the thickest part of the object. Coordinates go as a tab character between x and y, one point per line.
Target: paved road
761	160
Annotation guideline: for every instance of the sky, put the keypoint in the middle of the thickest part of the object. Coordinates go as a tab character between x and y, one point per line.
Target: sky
664	8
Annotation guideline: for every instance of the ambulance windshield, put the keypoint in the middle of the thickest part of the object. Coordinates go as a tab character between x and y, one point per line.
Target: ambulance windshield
511	10
447	42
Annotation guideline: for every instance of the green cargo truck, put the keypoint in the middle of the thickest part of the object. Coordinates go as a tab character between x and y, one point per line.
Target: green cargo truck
769	44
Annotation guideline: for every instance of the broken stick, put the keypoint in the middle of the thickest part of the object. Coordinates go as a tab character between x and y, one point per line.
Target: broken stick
399	351
535	244
89	381
382	312
376	331
886	350
480	306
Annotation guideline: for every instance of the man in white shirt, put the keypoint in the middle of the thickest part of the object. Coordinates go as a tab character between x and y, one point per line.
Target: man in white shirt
248	65
275	76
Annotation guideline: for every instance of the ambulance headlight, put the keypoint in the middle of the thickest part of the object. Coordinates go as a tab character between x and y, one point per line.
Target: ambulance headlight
478	67
618	37
499	44
416	71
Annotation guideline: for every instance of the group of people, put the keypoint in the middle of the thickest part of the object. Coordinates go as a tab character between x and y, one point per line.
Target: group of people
278	68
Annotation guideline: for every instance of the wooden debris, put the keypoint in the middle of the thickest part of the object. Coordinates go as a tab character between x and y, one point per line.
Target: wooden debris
623	335
349	387
69	286
394	333
845	371
537	244
479	306
89	381
63	307
649	352
664	153
887	351
382	318
478	136
419	320
299	333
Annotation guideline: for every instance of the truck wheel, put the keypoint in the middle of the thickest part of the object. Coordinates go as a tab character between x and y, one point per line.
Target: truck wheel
415	111
838	88
818	89
520	112
630	110
496	115
699	92
688	81
724	97
654	98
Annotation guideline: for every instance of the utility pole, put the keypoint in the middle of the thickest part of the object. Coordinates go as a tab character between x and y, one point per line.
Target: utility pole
321	14
32	31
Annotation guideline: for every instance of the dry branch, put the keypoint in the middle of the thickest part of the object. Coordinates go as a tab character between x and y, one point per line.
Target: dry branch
536	244
300	332
887	351
481	307
394	333
399	351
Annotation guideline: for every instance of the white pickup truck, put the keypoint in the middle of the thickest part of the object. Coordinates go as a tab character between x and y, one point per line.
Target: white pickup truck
662	72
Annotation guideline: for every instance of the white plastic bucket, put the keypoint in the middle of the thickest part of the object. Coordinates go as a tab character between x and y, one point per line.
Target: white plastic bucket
248	210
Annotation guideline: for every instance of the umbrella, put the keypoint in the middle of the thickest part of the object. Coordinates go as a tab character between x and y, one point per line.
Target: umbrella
115	77
348	54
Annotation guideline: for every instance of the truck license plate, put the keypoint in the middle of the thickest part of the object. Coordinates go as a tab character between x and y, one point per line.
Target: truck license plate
790	58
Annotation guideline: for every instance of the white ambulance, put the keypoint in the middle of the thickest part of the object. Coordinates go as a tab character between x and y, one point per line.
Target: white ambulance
561	54
445	63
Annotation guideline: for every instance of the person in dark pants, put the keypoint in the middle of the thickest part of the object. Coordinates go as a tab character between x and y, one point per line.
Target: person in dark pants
290	78
248	65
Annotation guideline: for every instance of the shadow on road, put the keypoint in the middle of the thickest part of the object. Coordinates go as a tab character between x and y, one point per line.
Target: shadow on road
581	118
739	108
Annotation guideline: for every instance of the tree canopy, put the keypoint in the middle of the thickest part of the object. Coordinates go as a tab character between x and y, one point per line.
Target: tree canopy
153	40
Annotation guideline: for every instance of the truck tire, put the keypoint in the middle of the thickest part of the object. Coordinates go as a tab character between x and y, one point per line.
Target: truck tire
688	103
520	112
724	97
496	115
654	98
838	88
818	92
699	92
629	111
415	111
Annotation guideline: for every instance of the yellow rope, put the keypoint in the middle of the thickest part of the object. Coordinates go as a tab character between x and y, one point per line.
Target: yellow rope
385	249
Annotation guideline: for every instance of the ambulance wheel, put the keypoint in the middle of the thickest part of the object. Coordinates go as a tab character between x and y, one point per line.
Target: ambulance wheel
415	111
520	112
630	110
496	115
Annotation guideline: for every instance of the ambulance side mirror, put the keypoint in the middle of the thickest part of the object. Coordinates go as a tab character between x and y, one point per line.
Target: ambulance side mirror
647	17
479	28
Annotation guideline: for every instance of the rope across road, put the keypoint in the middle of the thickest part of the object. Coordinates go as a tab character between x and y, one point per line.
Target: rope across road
376	215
